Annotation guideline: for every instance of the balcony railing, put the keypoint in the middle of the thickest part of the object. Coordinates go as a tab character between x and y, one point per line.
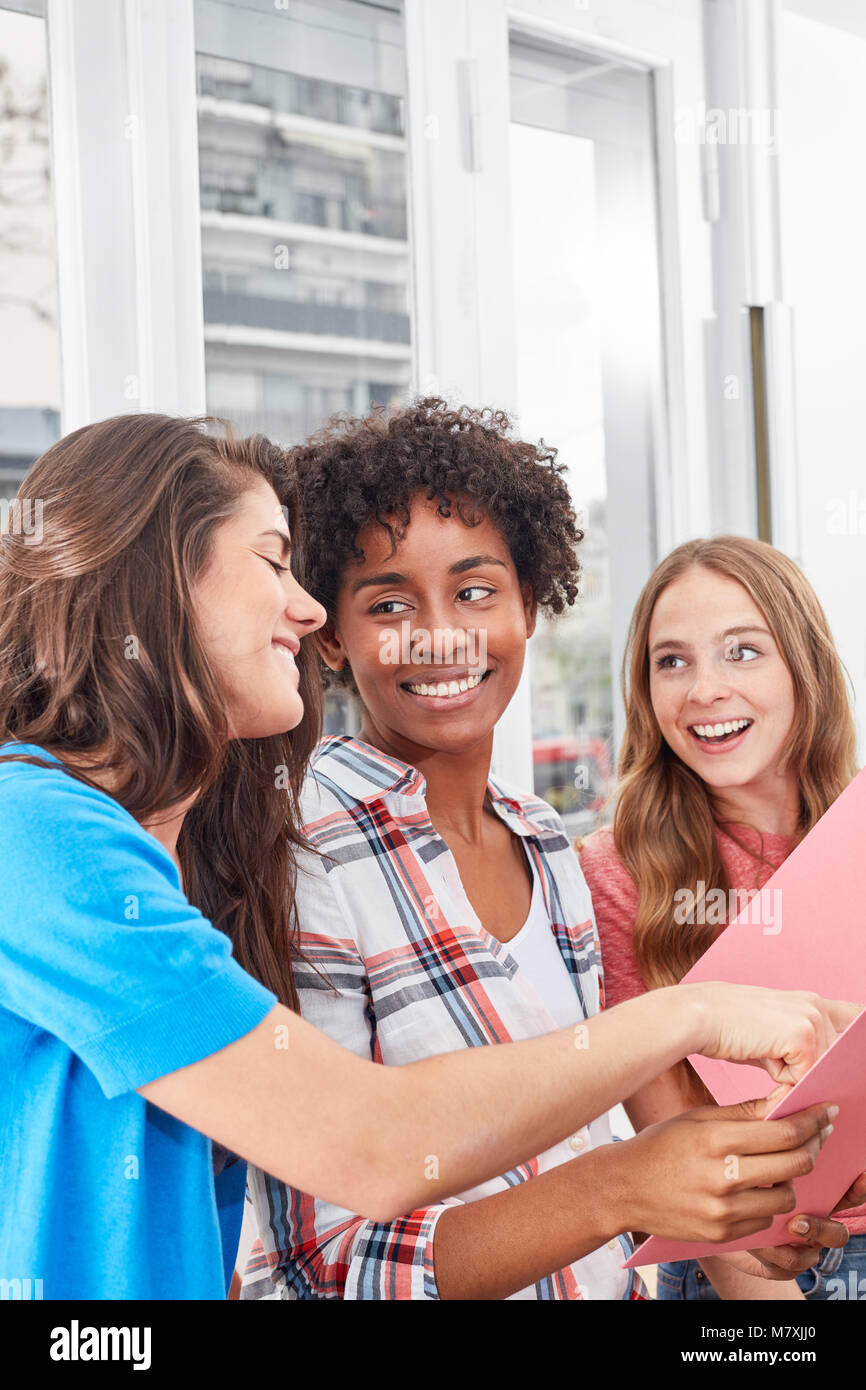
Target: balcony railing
293	316
380	219
357	107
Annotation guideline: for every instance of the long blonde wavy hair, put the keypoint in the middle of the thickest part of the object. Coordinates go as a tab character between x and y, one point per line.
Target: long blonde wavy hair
664	825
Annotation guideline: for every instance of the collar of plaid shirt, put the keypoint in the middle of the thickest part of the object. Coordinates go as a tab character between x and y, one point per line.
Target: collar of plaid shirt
367	774
360	774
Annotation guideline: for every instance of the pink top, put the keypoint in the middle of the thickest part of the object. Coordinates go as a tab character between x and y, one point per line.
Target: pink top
615	901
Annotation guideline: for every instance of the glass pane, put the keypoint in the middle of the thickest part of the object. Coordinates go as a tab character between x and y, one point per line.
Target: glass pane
29	343
586	285
302	157
302	154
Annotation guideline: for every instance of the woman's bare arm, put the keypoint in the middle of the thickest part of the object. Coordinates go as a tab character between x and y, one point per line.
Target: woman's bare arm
505	1242
298	1105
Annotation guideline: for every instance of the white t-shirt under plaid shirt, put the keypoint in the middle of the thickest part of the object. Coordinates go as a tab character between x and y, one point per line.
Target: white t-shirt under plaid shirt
384	916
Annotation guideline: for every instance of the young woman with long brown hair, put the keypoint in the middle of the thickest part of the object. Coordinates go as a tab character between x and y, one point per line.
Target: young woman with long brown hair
739	736
152	660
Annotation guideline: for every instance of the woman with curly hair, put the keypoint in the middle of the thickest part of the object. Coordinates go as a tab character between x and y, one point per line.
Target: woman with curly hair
157	706
739	735
441	908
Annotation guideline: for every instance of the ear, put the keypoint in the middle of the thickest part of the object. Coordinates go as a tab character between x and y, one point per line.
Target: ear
329	647
530	608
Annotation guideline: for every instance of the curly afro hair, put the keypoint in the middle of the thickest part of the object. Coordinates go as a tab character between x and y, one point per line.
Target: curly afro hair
354	471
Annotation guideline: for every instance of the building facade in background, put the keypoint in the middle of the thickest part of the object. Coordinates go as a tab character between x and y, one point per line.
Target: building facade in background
304	212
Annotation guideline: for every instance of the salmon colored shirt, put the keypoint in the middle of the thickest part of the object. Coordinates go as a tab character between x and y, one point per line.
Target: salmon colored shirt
615	901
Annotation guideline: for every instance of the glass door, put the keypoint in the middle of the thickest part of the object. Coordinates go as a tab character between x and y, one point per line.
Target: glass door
589	370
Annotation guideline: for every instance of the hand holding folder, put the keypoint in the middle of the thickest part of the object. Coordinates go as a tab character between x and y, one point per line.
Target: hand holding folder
806	930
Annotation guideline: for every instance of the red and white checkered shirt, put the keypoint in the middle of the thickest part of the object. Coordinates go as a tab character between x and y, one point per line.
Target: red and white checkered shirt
384	915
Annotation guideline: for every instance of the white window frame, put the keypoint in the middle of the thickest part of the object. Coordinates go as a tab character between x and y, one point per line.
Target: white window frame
458	62
126	194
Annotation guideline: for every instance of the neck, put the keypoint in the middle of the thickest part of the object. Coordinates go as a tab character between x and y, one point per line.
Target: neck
771	804
165	827
456	782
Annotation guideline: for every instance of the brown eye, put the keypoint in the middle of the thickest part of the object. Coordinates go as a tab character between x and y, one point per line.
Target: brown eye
389	606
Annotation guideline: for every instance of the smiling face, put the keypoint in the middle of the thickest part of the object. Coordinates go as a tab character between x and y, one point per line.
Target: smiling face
720	690
252	614
435	634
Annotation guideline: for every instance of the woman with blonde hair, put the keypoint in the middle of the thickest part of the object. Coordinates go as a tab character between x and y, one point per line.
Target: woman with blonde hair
739	735
445	906
157	707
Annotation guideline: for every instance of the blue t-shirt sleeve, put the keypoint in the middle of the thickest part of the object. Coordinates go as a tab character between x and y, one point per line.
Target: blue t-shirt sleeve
99	945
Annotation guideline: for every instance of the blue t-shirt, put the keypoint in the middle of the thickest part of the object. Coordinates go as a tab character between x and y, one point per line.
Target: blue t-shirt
109	978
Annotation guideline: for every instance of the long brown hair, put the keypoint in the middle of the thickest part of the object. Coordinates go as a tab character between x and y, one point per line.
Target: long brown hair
664	824
128	509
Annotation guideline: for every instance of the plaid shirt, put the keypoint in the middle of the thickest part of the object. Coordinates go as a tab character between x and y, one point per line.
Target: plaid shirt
386	918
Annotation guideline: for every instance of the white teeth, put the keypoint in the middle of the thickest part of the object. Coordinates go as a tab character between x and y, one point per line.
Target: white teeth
719	730
445	689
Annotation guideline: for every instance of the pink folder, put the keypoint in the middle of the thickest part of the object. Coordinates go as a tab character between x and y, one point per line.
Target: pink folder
806	930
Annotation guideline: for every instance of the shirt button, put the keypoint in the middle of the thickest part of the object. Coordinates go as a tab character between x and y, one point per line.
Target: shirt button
576	1143
613	1245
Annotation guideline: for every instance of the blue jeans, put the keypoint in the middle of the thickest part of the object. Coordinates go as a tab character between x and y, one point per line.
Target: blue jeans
839	1274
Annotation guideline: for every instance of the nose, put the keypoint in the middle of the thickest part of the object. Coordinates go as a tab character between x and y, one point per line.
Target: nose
709	683
447	643
304	612
437	616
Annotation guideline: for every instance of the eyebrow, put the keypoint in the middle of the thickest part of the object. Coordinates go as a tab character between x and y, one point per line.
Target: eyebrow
673	642
394	577
281	536
391	577
473	562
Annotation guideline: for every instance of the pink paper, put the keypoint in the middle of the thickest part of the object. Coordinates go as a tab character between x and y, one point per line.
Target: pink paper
838	1079
806	930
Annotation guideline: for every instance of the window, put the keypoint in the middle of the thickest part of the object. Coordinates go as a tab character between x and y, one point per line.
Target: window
29	348
302	155
304	216
586	288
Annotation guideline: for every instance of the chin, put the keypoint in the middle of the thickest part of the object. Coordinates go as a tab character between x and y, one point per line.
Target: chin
450	740
726	777
278	721
290	719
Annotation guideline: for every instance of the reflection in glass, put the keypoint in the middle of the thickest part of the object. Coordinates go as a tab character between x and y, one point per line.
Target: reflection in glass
29	345
302	156
305	252
586	285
